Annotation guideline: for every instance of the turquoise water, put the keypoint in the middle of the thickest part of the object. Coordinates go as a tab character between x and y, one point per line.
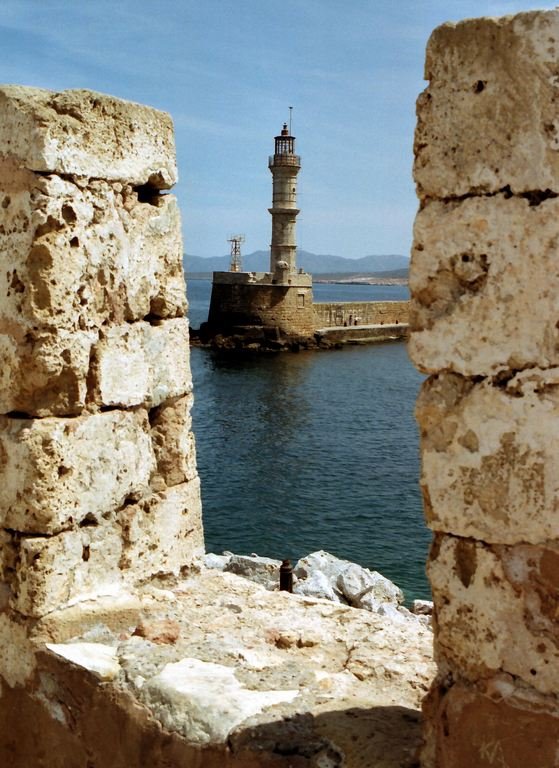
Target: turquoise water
315	450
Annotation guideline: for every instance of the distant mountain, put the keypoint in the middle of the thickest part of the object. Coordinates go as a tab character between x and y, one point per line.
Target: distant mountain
259	261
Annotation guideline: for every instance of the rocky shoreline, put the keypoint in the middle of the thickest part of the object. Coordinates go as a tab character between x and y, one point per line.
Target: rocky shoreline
322	575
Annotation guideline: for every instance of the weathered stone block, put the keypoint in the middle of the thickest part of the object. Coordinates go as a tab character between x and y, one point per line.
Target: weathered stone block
163	534
142	363
44	373
496	610
488	118
484	282
54	472
492	724
490	469
83	133
159	536
173	441
77	256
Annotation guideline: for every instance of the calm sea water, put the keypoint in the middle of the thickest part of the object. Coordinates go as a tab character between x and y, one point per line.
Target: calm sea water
315	450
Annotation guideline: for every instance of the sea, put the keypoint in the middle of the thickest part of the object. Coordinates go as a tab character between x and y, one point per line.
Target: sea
299	452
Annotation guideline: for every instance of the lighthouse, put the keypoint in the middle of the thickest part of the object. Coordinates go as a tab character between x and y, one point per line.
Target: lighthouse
284	165
273	307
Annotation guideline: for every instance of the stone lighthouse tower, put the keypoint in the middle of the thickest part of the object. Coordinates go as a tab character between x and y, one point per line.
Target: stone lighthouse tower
271	306
284	165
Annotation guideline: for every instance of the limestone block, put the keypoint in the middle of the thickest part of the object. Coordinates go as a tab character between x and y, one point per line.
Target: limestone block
173	441
141	363
57	471
163	534
84	133
490	468
492	724
484	284
158	536
77	256
205	701
496	610
44	373
488	118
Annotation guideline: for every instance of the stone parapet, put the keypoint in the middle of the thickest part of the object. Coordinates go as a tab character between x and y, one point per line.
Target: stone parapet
98	484
483	322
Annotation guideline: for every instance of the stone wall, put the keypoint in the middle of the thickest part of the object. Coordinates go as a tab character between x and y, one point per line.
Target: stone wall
239	303
484	283
98	484
340	313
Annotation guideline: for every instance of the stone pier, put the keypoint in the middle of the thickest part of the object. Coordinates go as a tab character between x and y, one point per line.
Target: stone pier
484	320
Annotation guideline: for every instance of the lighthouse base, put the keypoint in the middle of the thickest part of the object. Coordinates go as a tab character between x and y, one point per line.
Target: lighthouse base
255	300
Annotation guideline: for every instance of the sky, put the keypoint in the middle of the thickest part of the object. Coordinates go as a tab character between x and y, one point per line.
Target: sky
228	71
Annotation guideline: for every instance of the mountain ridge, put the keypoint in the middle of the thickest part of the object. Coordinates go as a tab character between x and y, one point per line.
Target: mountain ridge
259	261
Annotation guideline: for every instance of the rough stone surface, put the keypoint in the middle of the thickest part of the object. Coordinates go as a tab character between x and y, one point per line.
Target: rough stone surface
77	255
489	466
493	724
488	118
349	683
83	133
479	304
317	585
59	471
142	364
496	610
44	373
159	536
355	582
173	441
261	570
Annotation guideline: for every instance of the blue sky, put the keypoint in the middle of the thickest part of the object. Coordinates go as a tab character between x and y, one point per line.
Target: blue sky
227	71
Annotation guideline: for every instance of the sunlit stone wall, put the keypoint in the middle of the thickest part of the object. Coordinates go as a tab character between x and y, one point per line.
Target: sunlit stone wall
98	484
484	318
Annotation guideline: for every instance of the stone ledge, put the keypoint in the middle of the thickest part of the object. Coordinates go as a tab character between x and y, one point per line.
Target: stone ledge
357	679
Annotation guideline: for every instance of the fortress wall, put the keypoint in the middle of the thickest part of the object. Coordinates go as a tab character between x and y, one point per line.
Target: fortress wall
484	283
98	483
328	314
289	308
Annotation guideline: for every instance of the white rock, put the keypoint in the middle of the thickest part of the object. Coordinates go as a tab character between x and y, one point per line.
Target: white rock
355	582
316	585
262	570
205	701
97	657
218	562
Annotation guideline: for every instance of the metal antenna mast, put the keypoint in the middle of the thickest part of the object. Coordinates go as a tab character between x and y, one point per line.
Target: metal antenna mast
235	240
290	117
